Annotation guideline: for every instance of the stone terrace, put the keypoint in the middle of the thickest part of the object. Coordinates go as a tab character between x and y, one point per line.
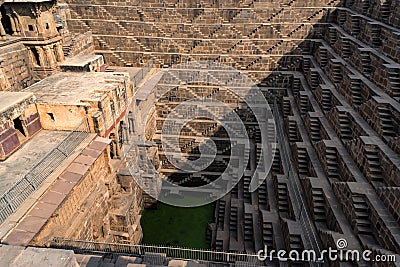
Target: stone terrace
331	71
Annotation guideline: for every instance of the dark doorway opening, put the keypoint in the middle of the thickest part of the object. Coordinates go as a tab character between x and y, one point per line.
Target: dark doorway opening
18	126
6	22
36	57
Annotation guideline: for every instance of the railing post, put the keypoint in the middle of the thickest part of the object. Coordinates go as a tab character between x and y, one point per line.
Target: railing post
30	182
171	252
9	202
65	150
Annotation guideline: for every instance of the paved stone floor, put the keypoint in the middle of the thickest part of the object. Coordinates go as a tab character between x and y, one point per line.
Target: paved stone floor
23	160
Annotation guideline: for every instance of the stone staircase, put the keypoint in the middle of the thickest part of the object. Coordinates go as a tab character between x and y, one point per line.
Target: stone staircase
332	163
386	122
361	222
373	165
345	126
319	209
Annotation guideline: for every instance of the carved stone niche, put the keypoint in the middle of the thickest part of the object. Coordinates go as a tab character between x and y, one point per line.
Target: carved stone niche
29	19
19	121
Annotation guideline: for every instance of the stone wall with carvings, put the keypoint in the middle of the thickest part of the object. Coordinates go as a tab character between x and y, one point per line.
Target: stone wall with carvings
18	122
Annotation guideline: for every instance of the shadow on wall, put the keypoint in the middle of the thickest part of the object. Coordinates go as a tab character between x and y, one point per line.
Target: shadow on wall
315	74
311	85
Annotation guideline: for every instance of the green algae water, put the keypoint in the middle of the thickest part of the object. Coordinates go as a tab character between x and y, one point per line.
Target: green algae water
177	226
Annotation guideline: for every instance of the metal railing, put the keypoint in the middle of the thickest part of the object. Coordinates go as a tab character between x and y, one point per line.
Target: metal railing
23	188
138	77
298	202
202	255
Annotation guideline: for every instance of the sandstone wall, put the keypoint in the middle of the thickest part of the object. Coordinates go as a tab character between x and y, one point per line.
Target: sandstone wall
73	43
61	117
16	68
242	35
88	196
81	43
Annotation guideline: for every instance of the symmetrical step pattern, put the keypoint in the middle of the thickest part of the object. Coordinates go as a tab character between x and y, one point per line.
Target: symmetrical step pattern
333	71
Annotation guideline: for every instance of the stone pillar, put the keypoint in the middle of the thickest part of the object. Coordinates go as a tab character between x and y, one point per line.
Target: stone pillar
2	31
131	122
113	149
31	56
118	143
59	52
117	149
49	55
16	20
42	57
125	133
13	27
114	146
53	53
